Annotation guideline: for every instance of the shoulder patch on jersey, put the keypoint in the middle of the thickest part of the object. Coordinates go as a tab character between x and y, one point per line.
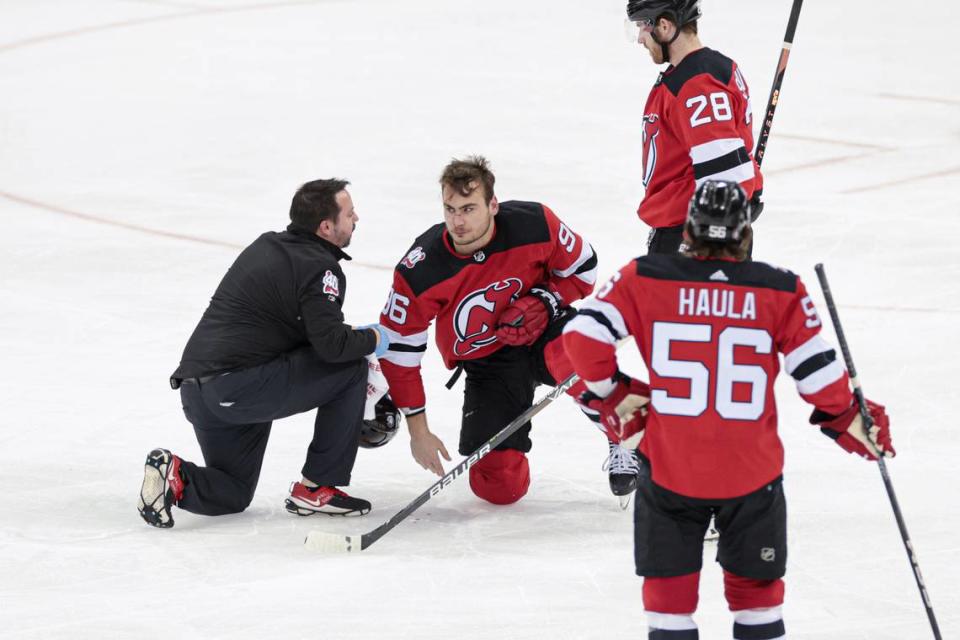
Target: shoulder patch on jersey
703	60
744	274
331	284
416	255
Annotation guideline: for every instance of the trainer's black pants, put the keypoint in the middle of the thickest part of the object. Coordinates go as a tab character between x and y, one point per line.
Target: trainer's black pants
232	415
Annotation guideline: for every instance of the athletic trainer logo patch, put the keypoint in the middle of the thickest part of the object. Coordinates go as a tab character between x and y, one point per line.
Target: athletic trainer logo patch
331	285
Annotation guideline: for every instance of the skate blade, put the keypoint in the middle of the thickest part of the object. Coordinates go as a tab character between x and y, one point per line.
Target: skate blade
324	542
624	501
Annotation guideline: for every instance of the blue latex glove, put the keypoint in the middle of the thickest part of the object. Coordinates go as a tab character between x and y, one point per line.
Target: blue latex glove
383	343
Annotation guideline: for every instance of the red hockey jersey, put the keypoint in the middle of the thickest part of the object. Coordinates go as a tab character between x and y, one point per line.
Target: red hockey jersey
710	332
467	294
697	126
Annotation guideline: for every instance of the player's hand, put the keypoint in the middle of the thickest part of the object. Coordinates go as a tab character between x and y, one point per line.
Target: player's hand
527	317
848	432
427	449
623	412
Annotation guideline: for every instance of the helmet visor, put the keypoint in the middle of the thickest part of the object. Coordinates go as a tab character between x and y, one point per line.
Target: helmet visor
633	29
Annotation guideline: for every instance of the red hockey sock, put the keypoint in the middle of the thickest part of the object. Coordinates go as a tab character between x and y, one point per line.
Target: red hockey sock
677	595
501	477
747	593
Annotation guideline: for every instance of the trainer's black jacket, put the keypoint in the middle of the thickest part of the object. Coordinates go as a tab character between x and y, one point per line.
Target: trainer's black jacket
285	290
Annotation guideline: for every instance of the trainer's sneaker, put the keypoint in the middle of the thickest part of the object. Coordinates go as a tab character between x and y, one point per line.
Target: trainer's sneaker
306	501
623	466
162	488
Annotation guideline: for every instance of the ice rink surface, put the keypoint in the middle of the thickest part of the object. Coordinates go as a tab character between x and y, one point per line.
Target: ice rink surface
143	143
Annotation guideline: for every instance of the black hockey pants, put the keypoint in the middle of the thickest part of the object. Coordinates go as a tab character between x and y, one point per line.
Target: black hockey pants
232	415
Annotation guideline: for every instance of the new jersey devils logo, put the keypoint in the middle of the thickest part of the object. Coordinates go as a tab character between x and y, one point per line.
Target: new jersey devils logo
474	321
651	129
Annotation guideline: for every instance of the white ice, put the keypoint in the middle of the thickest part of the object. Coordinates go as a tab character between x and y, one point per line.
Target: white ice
144	142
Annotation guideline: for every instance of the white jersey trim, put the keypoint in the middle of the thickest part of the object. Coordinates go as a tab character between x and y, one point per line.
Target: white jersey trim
589	327
413	340
403	358
740	173
586	252
611	313
821	378
714	149
804	352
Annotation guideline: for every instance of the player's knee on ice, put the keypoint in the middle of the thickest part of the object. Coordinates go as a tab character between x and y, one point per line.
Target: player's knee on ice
501	477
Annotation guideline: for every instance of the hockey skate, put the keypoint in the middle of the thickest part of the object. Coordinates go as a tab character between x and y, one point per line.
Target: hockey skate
306	501
623	466
161	489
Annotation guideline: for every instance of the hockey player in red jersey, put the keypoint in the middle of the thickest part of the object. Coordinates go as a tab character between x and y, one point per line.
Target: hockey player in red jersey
697	123
709	325
497	278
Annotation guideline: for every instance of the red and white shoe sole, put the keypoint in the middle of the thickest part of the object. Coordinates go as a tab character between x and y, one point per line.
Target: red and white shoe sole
302	508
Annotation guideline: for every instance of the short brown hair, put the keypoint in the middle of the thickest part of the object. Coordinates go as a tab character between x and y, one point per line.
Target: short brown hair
711	250
463	176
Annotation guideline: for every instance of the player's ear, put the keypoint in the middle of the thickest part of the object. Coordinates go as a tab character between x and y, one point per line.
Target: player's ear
494	205
665	27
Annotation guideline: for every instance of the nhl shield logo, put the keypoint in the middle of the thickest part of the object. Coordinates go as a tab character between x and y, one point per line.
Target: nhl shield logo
480	256
768	554
331	285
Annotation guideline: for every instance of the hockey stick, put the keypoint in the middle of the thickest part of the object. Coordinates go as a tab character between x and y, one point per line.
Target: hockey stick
777	82
865	415
338	543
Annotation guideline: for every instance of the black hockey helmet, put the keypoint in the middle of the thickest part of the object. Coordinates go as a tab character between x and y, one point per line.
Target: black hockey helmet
719	212
385	424
679	12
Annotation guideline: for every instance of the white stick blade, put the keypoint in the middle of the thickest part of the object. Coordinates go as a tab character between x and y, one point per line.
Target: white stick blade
331	542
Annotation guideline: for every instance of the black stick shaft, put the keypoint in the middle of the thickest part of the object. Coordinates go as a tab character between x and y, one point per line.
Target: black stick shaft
368	539
777	82
887	483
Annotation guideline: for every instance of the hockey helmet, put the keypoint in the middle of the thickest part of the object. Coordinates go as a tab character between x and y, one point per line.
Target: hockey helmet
718	213
385	424
679	12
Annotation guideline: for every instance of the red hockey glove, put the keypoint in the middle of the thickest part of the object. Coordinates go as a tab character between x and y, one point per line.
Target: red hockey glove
623	412
527	317
847	429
